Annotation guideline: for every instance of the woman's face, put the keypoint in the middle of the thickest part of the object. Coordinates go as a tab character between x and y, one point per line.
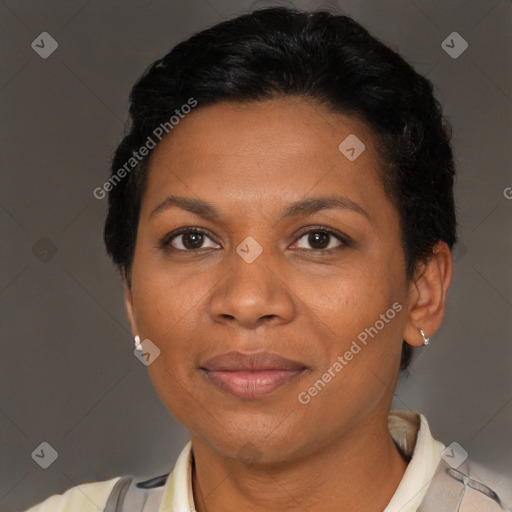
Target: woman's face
302	259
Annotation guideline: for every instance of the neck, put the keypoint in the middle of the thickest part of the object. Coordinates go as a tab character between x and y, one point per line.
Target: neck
359	471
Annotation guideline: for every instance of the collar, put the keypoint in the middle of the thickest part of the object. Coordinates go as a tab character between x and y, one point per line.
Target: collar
410	432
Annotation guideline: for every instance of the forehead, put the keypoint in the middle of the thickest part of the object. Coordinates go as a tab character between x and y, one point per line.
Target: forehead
288	125
273	150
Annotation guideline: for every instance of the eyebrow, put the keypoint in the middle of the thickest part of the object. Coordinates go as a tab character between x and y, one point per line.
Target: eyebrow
303	207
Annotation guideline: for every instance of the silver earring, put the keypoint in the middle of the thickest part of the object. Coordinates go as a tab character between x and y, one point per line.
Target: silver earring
138	346
426	340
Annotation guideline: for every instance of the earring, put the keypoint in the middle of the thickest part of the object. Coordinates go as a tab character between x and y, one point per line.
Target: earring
426	340
138	346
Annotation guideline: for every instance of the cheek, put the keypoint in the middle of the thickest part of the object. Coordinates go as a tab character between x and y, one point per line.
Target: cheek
353	296
167	315
161	300
363	307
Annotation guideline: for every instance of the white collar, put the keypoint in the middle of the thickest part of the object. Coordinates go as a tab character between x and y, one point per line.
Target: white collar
425	454
410	432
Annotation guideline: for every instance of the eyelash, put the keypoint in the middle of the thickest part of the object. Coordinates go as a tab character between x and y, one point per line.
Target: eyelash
165	243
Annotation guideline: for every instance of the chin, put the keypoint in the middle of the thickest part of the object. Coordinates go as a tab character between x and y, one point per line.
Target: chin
253	442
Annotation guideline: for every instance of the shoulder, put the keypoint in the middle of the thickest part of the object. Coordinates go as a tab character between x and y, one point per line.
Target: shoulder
87	497
464	487
491	483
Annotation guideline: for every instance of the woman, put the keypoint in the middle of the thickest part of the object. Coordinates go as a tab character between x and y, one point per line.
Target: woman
282	216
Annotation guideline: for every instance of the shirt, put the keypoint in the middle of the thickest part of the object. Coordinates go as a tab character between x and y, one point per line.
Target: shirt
409	430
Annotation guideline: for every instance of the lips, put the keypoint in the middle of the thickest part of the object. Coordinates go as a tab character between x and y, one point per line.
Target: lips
251	375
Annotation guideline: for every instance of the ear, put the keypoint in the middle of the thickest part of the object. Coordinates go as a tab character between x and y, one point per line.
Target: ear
128	298
427	295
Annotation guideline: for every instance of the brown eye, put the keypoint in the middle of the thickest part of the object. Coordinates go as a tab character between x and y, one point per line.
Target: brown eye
189	240
192	240
319	240
322	239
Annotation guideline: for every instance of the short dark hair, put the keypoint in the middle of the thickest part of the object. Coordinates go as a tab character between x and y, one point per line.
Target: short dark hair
276	52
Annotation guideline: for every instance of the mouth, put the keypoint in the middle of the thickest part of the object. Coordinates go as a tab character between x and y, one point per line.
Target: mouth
250	376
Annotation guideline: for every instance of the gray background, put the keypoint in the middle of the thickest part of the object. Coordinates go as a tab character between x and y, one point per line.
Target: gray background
68	374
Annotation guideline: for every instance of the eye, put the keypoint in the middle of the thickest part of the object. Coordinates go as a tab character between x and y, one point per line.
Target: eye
322	239
188	239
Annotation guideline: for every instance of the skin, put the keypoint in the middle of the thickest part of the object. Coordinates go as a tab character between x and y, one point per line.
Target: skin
300	299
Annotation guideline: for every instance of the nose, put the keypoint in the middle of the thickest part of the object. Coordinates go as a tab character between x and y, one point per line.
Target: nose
253	293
